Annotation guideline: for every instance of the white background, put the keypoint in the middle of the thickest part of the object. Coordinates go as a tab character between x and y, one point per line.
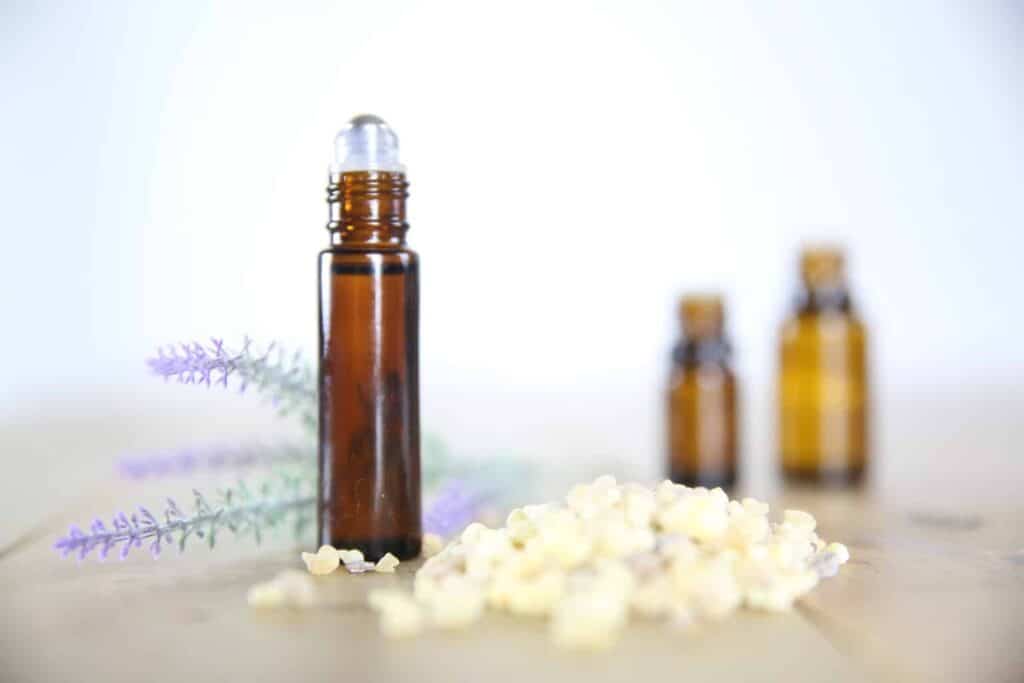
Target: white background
574	168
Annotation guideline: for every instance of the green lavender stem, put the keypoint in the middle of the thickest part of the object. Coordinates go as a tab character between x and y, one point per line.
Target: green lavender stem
239	510
286	378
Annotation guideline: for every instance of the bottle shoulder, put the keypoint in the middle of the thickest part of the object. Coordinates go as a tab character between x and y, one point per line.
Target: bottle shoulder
349	262
813	329
804	319
349	255
690	376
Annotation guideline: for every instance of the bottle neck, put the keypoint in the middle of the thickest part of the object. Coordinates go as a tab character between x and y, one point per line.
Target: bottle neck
366	209
822	299
823	281
693	351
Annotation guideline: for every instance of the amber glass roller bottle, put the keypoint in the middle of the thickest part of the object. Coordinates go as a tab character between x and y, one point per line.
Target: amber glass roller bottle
369	487
823	378
702	399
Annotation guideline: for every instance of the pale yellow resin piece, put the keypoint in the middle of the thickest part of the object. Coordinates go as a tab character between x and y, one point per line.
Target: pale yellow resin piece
432	545
323	561
290	588
614	551
400	615
350	556
386	564
841	552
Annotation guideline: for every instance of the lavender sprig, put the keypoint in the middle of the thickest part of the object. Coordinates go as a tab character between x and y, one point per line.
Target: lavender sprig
214	459
286	378
239	510
456	504
438	465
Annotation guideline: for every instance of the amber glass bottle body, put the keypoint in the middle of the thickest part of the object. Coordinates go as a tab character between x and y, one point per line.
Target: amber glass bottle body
823	392
702	427
369	495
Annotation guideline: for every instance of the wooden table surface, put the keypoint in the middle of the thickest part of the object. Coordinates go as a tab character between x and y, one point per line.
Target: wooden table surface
927	596
934	591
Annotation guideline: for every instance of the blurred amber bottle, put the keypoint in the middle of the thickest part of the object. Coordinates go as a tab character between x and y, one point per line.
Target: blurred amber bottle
702	399
823	378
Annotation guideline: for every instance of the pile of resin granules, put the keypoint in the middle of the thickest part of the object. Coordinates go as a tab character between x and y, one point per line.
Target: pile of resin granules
614	551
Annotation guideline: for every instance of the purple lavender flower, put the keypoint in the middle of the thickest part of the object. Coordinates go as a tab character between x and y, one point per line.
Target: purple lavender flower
238	510
286	378
454	506
242	510
196	364
183	461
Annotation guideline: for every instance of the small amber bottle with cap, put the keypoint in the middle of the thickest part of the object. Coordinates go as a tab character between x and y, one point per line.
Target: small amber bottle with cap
702	398
369	485
822	383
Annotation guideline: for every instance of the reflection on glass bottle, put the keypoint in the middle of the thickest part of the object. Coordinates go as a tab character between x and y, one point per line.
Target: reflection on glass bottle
702	399
823	378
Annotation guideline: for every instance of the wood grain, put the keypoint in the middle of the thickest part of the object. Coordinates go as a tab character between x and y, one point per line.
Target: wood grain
929	595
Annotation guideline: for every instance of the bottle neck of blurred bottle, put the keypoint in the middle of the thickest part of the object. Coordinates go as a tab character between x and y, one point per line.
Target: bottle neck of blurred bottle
703	340
823	282
812	300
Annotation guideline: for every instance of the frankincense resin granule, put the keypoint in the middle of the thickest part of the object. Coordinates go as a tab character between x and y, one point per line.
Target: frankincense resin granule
612	552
